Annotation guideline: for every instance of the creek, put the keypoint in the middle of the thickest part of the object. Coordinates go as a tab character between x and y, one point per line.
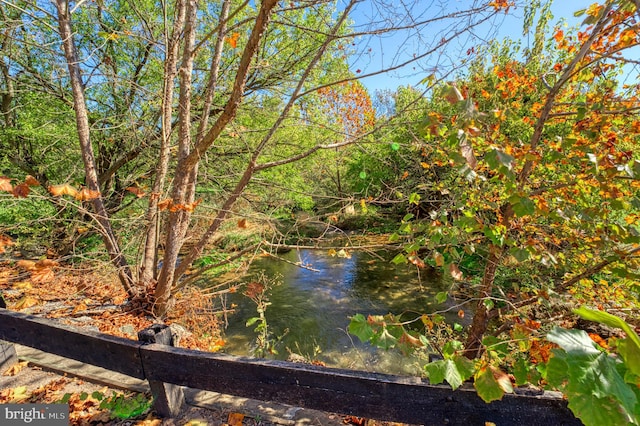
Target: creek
311	306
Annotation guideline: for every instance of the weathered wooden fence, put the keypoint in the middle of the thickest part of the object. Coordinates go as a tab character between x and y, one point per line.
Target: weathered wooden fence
371	395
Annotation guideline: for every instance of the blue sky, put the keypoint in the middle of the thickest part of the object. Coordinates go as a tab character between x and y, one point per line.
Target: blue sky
502	26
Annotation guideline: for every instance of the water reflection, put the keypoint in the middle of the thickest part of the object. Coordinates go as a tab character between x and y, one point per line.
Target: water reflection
315	306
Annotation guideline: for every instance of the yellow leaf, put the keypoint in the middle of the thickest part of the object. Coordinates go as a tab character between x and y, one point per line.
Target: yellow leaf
20	393
16	368
79	308
22	285
26	302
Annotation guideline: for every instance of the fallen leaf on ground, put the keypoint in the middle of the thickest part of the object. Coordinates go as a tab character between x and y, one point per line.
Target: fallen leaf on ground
235	419
15	368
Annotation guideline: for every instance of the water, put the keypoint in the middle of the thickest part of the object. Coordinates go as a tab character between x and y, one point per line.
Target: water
315	306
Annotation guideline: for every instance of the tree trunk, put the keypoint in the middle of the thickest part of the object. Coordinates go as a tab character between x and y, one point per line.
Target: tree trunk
181	194
473	346
82	124
184	181
150	256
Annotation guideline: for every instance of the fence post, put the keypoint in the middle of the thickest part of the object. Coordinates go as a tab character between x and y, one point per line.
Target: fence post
168	398
8	355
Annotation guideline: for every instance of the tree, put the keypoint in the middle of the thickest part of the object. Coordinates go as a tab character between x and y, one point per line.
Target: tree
197	69
540	169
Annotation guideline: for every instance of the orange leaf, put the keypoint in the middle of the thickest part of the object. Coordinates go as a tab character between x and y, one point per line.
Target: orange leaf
16	368
31	181
165	204
460	313
46	263
5	184
190	207
559	36
4	242
21	191
235	419
233	40
63	189
136	191
242	223
87	194
26	264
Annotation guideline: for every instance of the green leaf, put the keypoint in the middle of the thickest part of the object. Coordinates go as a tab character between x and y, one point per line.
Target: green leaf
441	296
449	348
520	254
414	198
455	371
251	321
395	146
400	258
630	354
582	372
488	303
573	341
363	175
487	386
610	320
359	327
384	340
499	160
594	411
407	217
522	206
521	370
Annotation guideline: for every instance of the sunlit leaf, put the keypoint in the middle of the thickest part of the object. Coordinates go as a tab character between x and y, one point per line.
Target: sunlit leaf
63	189
165	204
610	320
5	184
438	258
233	39
360	327
454	370
235	419
135	190
487	386
455	272
499	160
31	181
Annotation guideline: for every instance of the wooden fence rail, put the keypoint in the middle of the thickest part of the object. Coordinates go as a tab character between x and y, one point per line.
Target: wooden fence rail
371	395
